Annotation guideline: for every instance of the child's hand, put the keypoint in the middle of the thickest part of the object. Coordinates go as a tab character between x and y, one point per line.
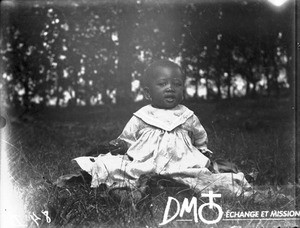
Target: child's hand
118	143
224	166
206	152
118	147
208	155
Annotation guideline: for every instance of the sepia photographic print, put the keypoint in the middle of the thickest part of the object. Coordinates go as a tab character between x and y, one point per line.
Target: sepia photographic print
149	113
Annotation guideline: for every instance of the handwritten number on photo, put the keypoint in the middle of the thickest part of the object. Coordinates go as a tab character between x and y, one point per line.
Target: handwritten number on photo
35	218
48	219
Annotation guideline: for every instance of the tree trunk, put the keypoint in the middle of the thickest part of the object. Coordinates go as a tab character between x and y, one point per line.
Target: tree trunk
276	84
218	81
228	91
196	88
125	51
228	81
207	88
269	89
253	91
58	84
26	96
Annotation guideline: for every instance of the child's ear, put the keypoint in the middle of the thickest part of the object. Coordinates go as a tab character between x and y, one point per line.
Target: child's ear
147	93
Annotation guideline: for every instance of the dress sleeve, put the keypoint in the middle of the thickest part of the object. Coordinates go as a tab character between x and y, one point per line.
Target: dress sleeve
129	133
199	135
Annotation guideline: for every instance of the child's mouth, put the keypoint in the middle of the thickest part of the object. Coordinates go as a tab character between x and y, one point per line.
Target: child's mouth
170	99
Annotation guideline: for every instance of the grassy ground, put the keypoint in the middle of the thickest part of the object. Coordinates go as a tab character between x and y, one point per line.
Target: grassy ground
257	135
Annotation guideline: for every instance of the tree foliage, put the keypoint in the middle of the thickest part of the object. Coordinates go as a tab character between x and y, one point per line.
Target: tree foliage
87	53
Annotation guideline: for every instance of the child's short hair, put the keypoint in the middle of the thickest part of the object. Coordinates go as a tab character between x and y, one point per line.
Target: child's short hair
150	70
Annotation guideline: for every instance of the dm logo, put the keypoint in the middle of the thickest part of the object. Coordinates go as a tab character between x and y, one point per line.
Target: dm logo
187	207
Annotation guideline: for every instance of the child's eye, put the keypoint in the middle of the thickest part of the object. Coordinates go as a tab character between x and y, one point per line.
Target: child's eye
162	83
178	84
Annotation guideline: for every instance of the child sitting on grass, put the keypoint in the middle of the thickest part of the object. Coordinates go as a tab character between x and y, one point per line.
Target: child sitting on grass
163	137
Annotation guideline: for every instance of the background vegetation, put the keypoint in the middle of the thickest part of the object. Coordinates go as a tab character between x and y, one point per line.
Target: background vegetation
84	53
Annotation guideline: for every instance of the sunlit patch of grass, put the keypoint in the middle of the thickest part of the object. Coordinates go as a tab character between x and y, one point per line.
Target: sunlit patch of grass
257	136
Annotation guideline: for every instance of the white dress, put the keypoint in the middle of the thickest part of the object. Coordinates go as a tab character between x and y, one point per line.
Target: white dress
163	141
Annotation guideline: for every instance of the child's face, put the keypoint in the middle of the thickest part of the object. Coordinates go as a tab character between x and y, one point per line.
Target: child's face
165	90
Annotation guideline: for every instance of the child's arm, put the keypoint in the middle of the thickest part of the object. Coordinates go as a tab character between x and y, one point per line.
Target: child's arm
127	137
199	137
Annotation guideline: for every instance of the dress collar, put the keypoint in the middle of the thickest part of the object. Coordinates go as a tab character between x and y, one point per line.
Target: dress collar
166	119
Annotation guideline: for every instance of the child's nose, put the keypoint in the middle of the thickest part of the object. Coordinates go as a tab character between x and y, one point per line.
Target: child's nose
170	87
